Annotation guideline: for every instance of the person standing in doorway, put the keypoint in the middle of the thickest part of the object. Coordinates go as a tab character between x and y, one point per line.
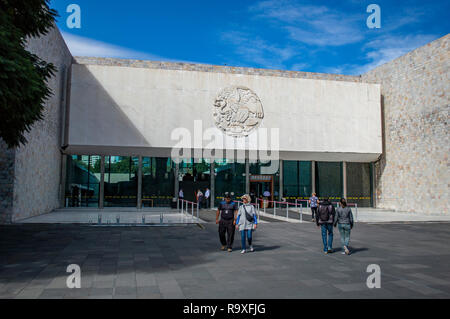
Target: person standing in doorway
207	195
181	194
227	211
313	202
344	221
246	222
325	219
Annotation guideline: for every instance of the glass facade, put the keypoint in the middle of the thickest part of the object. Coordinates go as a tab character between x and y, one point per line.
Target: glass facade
121	181
271	168
82	181
297	180
329	181
83	178
194	176
229	177
359	184
157	181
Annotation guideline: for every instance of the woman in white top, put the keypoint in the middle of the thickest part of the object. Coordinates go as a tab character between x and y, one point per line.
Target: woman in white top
246	221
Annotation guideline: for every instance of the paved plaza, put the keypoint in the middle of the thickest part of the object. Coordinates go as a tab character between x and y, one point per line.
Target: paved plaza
186	262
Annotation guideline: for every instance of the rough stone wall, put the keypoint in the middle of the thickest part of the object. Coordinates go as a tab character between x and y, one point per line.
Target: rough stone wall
38	164
413	172
6	182
214	68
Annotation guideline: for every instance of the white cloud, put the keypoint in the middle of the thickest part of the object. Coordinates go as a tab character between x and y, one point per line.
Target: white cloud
81	46
313	24
256	50
382	50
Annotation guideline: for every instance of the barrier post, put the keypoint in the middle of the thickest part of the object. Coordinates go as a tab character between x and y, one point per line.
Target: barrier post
257	211
356	215
287	210
192	211
274	208
197	210
301	213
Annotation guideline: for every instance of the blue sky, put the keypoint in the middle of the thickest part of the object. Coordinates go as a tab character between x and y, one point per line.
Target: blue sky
312	36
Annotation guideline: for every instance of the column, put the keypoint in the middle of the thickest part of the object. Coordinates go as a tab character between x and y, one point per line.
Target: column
175	176
102	182
313	176
374	184
62	188
247	176
344	179
212	182
281	179
139	190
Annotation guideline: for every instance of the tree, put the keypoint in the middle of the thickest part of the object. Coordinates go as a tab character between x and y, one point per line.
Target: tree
23	75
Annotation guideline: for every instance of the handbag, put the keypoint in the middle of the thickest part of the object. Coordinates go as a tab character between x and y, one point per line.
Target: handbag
248	216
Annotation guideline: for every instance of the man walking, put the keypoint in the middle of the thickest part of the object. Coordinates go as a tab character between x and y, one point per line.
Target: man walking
325	219
313	201
227	211
207	194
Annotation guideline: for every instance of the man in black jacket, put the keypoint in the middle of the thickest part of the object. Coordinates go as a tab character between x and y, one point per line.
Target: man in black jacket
325	219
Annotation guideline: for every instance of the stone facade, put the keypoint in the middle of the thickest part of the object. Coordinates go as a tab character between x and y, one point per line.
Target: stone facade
30	176
413	172
214	68
6	182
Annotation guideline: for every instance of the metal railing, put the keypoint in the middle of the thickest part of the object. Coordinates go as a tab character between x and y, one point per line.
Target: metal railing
184	207
297	207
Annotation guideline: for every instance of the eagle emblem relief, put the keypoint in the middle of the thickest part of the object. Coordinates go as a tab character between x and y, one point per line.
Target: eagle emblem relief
237	111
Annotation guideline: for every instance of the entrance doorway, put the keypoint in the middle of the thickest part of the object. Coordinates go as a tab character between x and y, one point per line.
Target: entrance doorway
261	187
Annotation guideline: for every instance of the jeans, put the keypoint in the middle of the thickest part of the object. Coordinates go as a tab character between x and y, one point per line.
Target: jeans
246	234
344	230
327	228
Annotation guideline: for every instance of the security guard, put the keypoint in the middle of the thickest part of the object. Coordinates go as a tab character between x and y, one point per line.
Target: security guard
227	211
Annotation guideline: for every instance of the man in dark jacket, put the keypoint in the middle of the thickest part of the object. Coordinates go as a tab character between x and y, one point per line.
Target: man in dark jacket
227	212
325	219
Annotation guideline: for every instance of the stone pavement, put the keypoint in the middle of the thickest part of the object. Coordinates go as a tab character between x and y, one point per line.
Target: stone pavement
185	262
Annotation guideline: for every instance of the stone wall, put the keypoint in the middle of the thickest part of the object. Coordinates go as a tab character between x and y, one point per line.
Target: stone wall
6	182
180	66
413	172
37	166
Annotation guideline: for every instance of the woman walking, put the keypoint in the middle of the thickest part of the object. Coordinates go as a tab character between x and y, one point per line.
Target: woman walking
246	221
344	220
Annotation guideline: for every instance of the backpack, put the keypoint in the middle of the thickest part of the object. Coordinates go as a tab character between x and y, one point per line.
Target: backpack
324	212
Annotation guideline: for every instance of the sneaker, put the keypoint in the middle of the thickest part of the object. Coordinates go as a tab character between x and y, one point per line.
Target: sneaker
343	253
312	220
251	249
230	250
222	248
325	252
243	251
346	250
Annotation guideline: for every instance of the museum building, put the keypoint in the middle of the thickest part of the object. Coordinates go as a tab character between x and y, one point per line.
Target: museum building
112	125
